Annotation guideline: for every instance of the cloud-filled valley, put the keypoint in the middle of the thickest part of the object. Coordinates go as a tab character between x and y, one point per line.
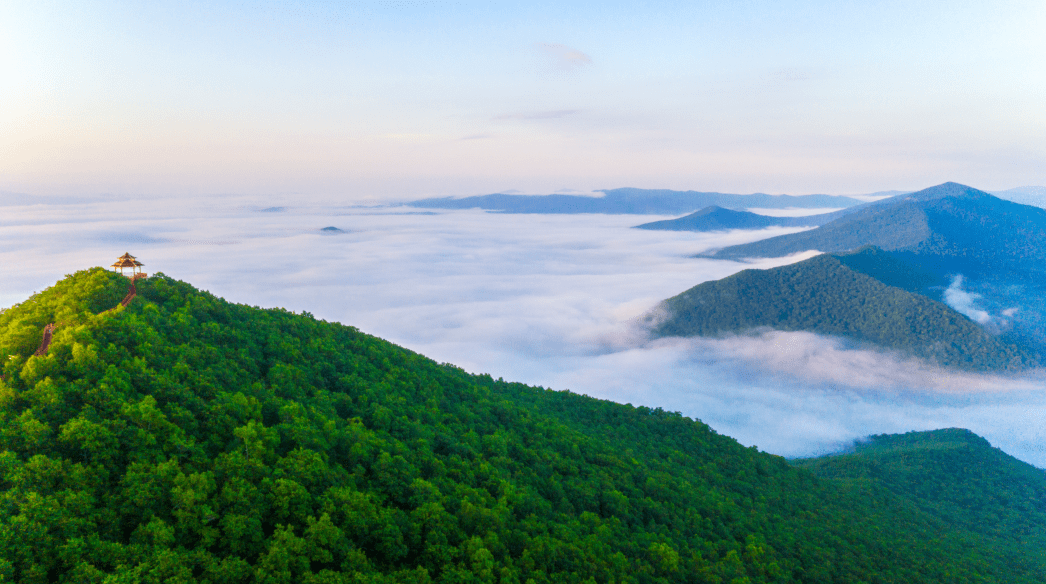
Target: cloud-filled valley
549	300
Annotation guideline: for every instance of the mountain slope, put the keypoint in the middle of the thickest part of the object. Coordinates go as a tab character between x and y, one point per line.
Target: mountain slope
825	295
185	438
955	476
632	201
889	269
714	218
949	225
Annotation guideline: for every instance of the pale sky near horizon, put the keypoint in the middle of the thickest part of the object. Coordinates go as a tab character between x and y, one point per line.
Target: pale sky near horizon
397	100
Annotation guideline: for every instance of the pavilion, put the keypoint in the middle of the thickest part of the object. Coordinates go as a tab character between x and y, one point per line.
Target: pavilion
127	261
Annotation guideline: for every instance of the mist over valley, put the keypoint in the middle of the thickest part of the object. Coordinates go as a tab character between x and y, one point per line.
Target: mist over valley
523	293
550	300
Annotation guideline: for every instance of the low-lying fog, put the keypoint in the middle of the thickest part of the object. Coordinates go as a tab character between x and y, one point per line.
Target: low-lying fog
549	300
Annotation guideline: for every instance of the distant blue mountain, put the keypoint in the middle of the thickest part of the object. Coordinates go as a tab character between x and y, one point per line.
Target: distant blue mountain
952	226
715	218
904	293
631	201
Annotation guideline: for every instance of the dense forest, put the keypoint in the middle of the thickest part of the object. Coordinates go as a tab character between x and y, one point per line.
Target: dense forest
825	295
957	477
183	438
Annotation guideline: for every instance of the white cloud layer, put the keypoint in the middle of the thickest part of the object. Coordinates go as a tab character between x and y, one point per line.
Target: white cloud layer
972	304
547	300
965	302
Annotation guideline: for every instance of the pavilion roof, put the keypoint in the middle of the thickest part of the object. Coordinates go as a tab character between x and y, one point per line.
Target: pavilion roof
127	261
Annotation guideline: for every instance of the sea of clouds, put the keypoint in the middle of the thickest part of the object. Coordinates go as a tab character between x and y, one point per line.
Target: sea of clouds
550	300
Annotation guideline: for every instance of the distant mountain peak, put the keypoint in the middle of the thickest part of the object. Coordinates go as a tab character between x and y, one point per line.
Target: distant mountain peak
709	210
946	190
716	218
956	227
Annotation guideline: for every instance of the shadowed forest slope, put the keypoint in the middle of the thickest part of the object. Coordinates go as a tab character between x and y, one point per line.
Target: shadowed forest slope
830	295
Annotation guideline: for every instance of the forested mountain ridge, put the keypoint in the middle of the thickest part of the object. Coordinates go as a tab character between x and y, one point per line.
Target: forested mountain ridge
183	438
842	296
957	477
960	240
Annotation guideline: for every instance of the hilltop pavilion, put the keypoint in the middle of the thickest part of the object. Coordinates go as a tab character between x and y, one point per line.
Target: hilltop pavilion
127	261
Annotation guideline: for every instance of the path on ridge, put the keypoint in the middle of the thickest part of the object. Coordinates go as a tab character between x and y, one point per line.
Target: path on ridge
50	328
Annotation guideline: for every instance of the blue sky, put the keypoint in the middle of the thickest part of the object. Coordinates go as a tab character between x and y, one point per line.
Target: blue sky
399	100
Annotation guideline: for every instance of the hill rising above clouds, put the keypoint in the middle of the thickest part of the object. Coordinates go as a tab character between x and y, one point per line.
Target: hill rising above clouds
950	226
185	438
987	253
634	201
843	296
714	218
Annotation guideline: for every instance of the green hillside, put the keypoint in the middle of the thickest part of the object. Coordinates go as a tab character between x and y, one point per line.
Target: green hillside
183	438
957	477
824	295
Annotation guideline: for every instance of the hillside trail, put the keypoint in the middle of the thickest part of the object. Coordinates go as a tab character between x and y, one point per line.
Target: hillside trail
50	328
48	331
130	293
